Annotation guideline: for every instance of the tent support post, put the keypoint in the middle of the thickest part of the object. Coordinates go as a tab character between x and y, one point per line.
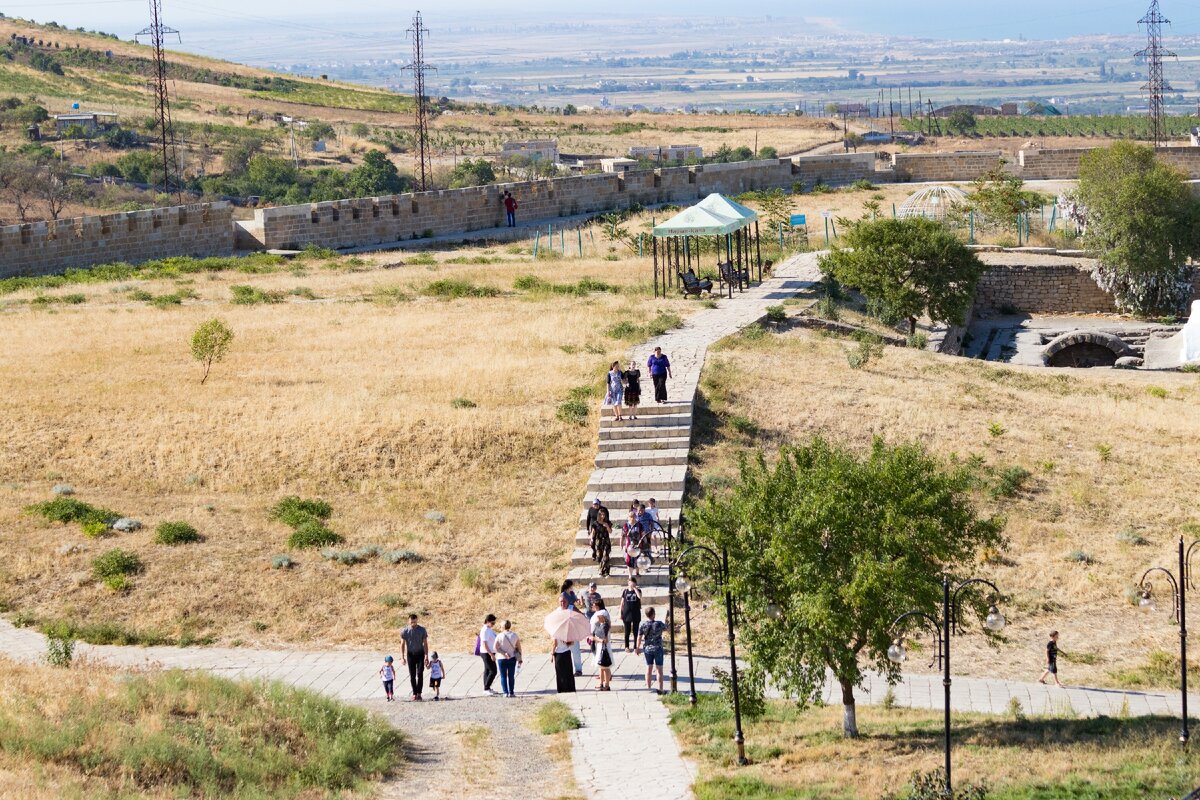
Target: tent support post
758	249
654	252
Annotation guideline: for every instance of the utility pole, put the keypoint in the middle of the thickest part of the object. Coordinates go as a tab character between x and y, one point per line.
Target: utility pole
162	100
418	68
1156	84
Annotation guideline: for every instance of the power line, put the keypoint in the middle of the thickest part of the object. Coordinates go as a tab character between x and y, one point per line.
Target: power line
418	68
1154	53
157	31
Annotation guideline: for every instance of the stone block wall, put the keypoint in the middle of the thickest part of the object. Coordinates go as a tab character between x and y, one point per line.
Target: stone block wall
45	248
1042	289
960	166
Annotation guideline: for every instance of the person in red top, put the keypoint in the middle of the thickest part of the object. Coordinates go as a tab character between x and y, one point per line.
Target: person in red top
510	207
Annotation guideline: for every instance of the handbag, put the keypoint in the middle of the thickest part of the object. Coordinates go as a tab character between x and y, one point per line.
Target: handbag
477	644
605	656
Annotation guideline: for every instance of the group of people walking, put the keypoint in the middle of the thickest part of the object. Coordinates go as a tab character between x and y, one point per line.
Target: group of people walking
623	387
637	535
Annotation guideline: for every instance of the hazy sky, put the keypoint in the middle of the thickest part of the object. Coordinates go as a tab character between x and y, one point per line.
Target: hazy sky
945	19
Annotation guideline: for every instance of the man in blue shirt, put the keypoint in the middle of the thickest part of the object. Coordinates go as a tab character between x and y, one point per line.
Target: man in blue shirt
660	369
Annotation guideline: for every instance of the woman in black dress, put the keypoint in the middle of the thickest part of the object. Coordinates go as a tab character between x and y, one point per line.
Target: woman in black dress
631	610
633	388
601	533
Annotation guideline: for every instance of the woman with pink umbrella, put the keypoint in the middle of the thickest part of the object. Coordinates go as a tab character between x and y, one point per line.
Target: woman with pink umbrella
565	626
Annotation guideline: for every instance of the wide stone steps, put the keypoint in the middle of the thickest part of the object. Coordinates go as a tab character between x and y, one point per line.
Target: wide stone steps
655	576
671	430
617	502
645	481
642	458
652	410
647	444
677	419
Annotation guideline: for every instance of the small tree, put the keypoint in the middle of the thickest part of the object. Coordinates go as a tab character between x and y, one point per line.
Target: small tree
210	343
961	120
997	197
910	265
853	141
1142	221
841	545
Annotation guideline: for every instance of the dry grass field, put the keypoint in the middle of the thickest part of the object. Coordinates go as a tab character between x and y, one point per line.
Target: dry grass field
1110	458
358	388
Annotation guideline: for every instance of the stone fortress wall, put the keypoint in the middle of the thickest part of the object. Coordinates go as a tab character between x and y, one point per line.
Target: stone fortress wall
46	248
208	229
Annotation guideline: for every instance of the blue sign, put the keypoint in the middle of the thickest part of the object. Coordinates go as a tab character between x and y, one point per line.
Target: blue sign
798	219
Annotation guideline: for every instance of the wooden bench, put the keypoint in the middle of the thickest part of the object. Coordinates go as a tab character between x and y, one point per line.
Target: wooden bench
690	284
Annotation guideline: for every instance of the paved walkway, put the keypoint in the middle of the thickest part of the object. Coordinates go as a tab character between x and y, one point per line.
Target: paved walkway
641	459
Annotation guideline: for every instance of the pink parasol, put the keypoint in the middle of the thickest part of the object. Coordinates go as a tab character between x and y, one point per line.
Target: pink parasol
567	625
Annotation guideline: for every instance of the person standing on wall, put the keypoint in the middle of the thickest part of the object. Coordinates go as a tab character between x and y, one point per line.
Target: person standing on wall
510	209
414	645
660	369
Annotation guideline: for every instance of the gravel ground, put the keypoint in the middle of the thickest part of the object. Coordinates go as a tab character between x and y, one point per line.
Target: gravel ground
482	746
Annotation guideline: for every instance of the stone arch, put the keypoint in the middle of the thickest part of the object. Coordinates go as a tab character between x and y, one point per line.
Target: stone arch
1086	349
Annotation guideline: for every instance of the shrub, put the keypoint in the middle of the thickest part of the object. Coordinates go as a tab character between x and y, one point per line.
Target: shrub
453	289
996	430
173	533
95	521
752	690
1158	391
392	601
827	308
573	411
60	645
932	785
776	313
1130	536
1079	557
282	561
312	534
210	343
114	567
1104	451
870	348
294	511
462	402
401	556
862	185
889	699
251	296
1010	481
555	717
917	341
743	425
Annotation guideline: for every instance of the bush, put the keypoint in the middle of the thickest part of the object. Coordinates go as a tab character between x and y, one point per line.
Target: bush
1010	481
462	402
60	645
917	341
743	425
401	556
870	348
282	561
573	411
173	533
555	717
1079	557
312	534
94	521
210	343
776	313
294	511
250	295
453	289
752	684
114	567
931	786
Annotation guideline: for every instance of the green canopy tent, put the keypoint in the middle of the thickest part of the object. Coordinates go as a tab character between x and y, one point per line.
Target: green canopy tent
734	232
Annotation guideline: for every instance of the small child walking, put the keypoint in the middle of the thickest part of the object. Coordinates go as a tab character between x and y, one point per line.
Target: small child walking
388	673
1051	659
437	671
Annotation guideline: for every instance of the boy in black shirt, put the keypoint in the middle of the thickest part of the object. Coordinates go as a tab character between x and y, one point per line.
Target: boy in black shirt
1051	659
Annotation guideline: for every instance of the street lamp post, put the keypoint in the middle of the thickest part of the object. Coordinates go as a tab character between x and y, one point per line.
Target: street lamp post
671	604
942	631
720	565
1179	587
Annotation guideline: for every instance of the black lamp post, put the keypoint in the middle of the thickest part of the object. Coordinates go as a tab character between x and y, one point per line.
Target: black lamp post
1179	587
941	636
671	603
720	565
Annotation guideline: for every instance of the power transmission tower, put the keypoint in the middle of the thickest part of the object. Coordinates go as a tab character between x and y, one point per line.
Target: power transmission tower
418	68
1154	53
162	101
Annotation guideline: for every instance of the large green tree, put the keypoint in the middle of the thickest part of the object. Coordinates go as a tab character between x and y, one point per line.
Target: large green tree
827	548
1141	220
912	266
377	175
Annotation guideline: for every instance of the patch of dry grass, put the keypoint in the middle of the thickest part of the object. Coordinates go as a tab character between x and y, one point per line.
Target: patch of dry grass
340	398
1052	423
802	755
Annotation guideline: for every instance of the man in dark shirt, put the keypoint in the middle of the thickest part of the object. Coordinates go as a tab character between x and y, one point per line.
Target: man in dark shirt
510	209
660	369
1051	659
592	513
414	650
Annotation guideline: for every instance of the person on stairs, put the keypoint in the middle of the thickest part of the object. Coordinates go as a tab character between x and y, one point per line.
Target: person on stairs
600	530
660	369
567	592
560	655
631	610
615	395
601	627
633	388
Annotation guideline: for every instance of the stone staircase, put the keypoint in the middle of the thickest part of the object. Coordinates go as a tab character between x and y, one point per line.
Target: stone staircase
637	459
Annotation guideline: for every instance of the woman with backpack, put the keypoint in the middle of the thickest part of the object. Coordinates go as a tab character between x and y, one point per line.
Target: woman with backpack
631	543
601	626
